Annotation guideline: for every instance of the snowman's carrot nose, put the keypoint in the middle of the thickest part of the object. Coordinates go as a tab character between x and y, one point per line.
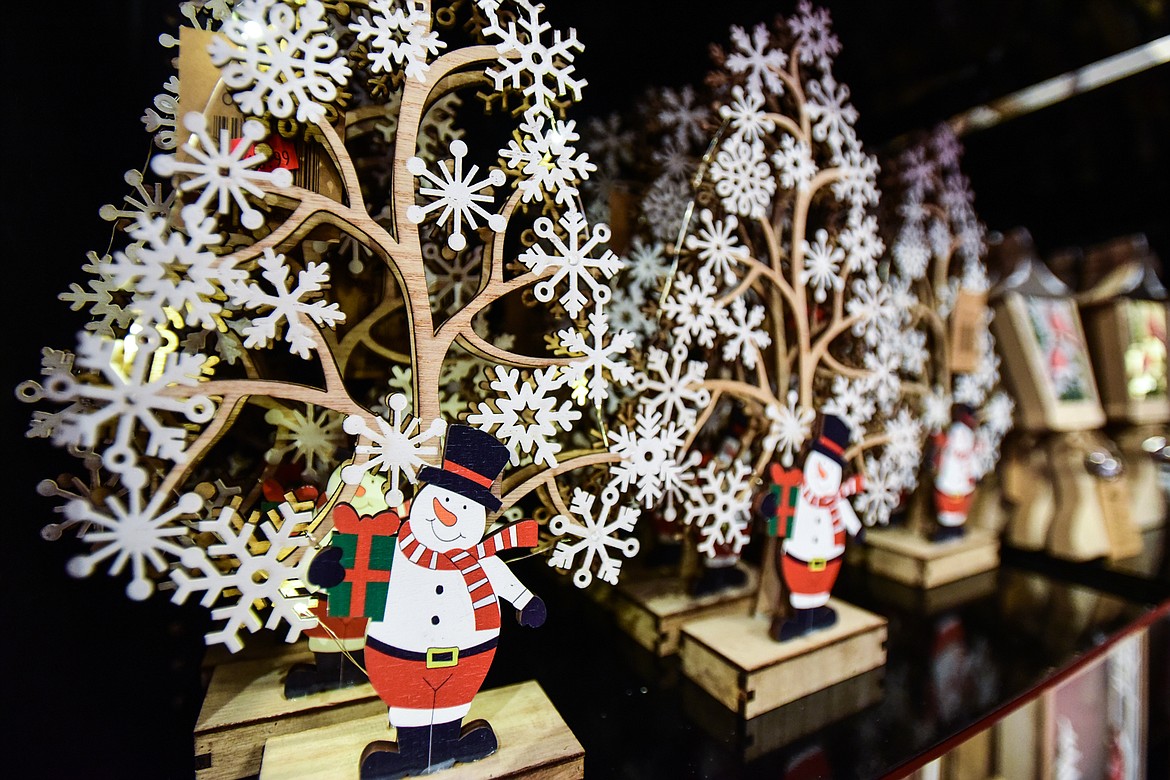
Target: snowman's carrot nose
445	517
361	491
821	470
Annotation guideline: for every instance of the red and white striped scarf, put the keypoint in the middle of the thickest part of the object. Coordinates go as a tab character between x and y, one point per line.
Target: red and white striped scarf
849	487
483	598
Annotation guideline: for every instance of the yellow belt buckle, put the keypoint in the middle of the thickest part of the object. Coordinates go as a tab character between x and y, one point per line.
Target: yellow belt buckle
817	564
432	663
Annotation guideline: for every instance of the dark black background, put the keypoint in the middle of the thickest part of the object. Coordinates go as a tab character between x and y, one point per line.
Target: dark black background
97	686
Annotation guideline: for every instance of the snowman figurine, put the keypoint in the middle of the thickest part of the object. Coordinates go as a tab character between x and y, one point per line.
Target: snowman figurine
429	651
954	473
810	510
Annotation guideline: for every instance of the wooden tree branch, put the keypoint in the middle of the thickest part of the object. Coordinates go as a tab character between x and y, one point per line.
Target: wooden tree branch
478	346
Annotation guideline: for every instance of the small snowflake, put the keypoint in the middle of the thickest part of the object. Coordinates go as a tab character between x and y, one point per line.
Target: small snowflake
143	203
746	113
665	205
720	506
131	529
399	447
936	410
105	314
682	117
673	384
789	428
287	304
881	495
741	327
858	182
456	194
822	265
245	571
832	114
717	245
650	457
609	143
278	59
594	537
753	57
398	37
173	272
544	72
647	265
742	178
862	244
603	363
137	396
314	435
852	403
457	278
795	163
814	39
525	415
547	161
572	262
221	173
693	308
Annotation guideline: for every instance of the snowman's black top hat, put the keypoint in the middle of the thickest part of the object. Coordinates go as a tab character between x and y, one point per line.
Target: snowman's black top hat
472	462
832	438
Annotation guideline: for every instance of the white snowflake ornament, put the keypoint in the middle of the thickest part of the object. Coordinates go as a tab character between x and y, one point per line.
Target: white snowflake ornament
593	537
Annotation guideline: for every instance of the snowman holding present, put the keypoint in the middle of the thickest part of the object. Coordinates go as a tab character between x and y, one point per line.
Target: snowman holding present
431	586
809	509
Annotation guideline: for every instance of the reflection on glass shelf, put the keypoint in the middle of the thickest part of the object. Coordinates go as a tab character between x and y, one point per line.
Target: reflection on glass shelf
955	657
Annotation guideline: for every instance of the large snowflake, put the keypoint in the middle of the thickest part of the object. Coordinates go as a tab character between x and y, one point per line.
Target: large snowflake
572	261
399	37
594	537
314	435
525	415
602	363
543	71
222	173
458	194
398	447
673	384
547	160
720	506
650	457
134	397
286	303
277	59
742	177
753	57
173	273
130	529
245	571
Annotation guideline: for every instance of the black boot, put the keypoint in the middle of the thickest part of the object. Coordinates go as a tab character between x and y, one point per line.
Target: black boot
714	579
822	617
330	672
410	755
947	533
799	624
453	743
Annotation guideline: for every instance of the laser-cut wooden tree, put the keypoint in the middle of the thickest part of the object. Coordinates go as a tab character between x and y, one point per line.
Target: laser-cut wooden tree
779	307
332	280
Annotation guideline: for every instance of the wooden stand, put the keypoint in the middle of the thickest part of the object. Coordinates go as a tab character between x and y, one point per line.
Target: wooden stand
782	726
534	743
733	658
906	557
653	610
245	706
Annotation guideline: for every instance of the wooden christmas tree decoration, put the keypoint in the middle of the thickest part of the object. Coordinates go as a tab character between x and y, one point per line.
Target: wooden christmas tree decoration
938	240
335	274
780	337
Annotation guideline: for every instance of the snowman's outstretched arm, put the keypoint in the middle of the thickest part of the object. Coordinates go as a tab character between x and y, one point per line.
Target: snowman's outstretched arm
530	608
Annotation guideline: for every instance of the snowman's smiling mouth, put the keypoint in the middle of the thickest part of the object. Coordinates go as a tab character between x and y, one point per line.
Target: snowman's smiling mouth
441	538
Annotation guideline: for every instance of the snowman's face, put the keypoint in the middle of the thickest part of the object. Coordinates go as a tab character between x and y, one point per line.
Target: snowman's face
444	521
822	474
369	497
961	438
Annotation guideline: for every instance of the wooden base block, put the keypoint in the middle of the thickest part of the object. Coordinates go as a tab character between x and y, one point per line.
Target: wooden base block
245	706
733	658
653	610
782	726
534	743
906	557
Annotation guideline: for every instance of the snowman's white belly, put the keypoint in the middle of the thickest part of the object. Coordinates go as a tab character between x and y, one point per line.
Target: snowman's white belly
427	608
812	535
